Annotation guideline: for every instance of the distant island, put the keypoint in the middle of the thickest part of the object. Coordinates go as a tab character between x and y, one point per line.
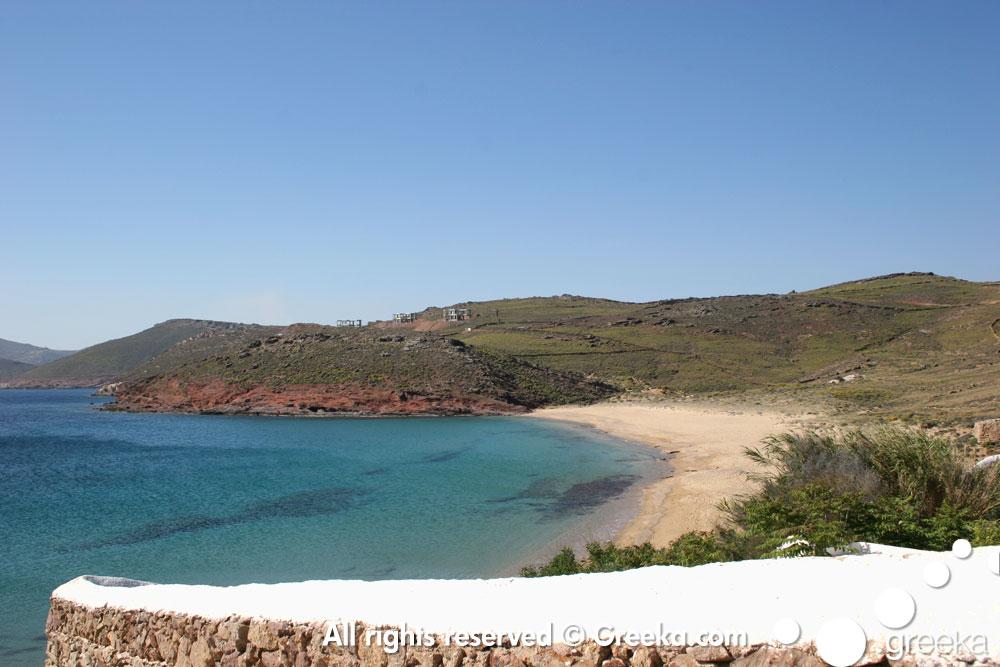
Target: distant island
912	345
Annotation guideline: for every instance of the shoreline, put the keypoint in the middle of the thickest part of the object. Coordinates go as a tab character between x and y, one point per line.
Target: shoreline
704	445
606	521
700	462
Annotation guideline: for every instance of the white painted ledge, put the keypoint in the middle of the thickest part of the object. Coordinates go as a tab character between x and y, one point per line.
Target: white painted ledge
747	597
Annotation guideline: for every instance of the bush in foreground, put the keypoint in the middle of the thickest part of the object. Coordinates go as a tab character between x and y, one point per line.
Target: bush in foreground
889	485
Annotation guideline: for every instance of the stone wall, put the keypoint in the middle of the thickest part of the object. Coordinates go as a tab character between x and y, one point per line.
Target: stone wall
109	637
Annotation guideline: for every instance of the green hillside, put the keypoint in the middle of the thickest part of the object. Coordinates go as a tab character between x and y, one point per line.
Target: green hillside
913	290
109	360
11	369
29	354
917	344
215	341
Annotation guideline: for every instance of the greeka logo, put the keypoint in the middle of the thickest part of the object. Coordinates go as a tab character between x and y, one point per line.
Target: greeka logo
842	641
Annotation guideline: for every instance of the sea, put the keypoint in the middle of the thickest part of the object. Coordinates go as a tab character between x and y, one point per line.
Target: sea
238	499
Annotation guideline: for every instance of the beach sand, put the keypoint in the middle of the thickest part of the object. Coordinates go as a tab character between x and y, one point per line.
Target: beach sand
705	445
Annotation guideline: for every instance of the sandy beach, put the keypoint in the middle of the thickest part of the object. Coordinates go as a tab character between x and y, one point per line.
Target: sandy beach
705	444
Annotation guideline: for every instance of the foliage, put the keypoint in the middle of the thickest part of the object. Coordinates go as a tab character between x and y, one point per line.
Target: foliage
821	493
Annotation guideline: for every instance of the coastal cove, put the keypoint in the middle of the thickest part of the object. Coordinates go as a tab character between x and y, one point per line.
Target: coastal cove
705	443
228	500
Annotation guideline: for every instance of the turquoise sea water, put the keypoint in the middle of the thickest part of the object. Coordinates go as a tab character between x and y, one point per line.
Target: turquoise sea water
227	500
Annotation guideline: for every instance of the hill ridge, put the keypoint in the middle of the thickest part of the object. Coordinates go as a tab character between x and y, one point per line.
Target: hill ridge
899	344
29	354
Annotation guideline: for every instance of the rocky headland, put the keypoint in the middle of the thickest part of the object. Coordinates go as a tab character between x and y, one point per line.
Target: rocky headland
215	396
312	370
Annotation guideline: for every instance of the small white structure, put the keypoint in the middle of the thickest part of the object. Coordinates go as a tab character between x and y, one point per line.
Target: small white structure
457	314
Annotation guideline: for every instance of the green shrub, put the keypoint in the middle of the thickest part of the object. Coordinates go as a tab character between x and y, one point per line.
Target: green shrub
819	493
927	472
985	533
564	562
700	548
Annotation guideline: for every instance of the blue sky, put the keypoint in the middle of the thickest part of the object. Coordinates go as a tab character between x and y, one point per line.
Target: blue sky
309	161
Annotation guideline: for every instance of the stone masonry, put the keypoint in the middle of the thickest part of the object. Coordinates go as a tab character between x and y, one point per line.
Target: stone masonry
79	636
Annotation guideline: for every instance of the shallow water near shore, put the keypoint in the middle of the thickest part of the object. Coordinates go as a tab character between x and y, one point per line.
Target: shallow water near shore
229	500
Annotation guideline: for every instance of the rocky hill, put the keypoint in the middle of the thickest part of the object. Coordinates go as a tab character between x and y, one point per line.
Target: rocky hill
111	360
915	345
11	369
29	354
316	370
